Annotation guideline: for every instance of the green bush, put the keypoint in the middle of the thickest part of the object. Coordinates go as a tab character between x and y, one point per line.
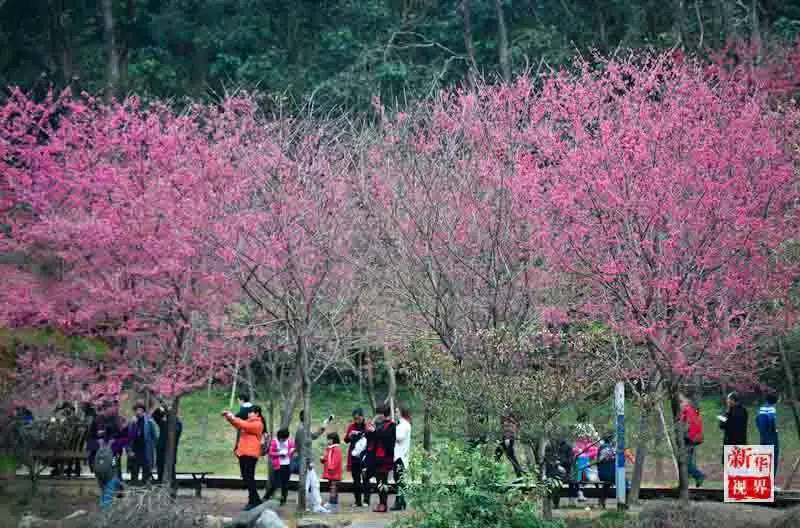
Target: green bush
466	488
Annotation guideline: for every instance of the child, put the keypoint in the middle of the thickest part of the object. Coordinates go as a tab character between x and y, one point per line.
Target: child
281	450
332	469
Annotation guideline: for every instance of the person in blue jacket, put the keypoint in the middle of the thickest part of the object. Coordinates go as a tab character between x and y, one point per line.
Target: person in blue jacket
767	423
142	440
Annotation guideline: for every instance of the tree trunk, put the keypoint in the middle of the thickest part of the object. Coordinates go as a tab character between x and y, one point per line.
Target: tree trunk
502	41
680	435
204	430
235	382
60	40
641	453
290	403
370	380
668	436
112	50
426	427
466	14
392	377
251	390
755	30
305	449
547	497
171	452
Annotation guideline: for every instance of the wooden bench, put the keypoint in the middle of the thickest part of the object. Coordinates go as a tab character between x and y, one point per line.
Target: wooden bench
198	479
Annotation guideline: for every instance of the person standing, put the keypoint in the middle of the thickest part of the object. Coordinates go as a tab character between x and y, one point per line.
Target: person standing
735	422
160	418
281	450
299	439
402	454
767	423
355	432
332	470
105	470
381	437
248	449
693	437
510	426
142	440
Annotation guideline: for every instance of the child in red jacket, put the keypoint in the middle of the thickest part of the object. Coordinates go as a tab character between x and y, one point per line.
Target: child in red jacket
332	469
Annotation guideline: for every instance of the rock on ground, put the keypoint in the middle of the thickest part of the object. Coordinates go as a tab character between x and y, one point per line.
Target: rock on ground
269	519
789	519
705	515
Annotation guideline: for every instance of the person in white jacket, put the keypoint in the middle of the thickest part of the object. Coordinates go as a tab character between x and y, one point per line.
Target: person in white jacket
402	454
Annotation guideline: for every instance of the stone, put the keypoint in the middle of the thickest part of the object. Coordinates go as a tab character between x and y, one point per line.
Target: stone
212	521
247	519
32	521
789	519
269	519
76	514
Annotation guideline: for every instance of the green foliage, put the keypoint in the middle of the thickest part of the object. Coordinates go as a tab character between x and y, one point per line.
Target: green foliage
342	53
464	487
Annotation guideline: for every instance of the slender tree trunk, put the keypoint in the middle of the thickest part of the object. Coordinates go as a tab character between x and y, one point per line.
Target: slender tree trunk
641	452
370	380
305	449
60	39
112	50
391	376
235	382
680	435
755	30
251	390
290	403
204	431
171	452
426	427
466	15
667	431
547	498
502	41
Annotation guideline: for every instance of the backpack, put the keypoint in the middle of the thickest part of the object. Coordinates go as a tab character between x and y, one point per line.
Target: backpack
695	428
104	463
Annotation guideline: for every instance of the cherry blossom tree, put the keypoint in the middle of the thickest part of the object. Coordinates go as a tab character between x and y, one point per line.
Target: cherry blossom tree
289	239
668	190
122	197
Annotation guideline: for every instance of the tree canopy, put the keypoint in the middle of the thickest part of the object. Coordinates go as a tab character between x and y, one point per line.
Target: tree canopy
342	53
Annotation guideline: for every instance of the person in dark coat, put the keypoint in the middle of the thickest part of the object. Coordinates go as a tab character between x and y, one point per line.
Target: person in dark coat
735	422
142	440
355	430
160	418
767	423
381	438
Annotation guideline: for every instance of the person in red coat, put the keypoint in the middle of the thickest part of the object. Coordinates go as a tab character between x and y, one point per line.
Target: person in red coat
332	469
381	437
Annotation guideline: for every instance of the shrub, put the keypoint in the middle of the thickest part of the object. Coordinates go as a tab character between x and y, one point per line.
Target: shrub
146	508
465	488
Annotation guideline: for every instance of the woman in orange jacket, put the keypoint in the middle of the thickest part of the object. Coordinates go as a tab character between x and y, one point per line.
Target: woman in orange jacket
248	450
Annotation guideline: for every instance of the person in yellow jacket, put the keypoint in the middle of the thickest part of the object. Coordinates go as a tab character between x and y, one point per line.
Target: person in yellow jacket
248	449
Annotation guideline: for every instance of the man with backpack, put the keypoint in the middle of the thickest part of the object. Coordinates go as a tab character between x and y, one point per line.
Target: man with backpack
693	430
106	469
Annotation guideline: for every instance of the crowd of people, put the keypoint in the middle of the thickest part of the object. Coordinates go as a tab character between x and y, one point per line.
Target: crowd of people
142	438
374	449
